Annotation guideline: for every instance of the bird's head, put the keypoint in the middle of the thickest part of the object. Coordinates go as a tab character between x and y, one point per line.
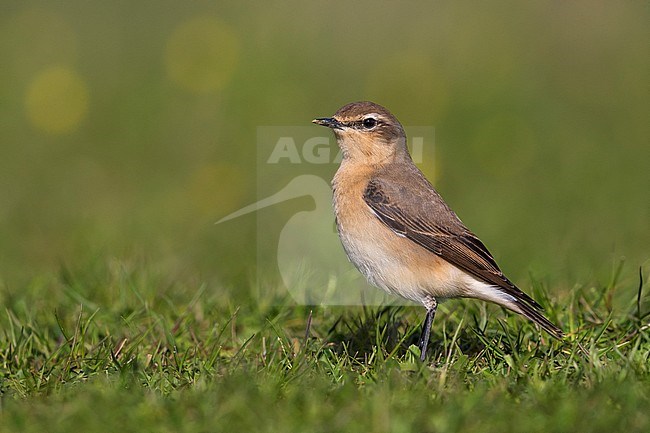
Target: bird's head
367	132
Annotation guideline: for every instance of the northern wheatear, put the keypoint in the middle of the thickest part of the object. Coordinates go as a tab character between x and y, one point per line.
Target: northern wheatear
399	232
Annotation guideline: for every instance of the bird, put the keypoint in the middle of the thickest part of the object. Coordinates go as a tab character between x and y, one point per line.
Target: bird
399	232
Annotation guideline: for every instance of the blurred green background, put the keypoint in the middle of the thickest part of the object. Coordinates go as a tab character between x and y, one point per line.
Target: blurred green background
128	128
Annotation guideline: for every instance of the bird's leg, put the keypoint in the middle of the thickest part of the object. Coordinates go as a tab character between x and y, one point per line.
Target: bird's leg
430	304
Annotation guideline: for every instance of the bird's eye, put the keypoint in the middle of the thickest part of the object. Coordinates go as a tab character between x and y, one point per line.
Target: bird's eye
369	122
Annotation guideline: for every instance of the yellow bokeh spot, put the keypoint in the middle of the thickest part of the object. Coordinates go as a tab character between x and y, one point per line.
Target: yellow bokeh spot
57	100
202	54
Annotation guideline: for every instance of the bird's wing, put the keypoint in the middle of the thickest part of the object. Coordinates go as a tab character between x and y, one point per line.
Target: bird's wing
450	240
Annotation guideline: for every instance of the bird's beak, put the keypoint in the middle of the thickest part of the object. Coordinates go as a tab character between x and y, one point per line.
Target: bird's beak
330	122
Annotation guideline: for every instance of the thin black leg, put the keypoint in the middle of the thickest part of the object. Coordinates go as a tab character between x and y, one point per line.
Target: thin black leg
426	330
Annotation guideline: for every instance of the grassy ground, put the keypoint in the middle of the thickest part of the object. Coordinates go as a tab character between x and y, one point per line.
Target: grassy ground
125	348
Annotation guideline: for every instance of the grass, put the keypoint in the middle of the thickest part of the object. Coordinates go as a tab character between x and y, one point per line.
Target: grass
120	347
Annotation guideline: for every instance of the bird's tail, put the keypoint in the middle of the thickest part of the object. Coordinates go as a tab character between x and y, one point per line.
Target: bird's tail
533	314
516	300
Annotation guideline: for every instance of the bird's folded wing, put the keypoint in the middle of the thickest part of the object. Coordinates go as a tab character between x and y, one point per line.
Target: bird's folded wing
452	242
